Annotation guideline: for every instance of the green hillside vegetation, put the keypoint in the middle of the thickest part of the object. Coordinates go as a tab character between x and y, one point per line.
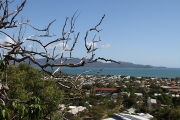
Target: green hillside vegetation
28	92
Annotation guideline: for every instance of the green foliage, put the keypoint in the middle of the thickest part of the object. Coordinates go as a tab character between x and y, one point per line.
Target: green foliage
25	84
93	101
76	118
111	85
129	102
165	99
111	104
96	112
176	101
3	65
111	113
87	87
19	109
132	78
23	79
119	99
142	109
100	84
167	113
35	110
27	81
4	113
51	94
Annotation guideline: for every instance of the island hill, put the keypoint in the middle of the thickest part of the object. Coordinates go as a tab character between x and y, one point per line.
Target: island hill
100	64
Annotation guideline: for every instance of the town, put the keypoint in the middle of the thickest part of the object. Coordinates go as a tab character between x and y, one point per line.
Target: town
108	97
40	38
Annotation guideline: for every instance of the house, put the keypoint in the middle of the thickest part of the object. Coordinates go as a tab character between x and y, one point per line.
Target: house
114	97
127	77
131	110
139	94
151	103
125	94
171	88
146	115
123	116
75	109
157	94
105	90
175	95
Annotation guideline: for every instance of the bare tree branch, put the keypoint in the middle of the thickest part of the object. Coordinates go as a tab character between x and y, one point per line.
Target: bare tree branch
18	51
8	18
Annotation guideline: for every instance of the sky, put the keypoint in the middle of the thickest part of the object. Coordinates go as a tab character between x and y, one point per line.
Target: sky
138	31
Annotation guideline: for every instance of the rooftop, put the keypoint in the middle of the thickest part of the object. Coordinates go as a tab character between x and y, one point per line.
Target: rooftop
122	116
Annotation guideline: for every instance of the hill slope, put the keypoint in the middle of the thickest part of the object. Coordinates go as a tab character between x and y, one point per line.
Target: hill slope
100	64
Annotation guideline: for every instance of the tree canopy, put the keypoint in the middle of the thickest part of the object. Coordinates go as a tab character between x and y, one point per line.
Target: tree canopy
28	91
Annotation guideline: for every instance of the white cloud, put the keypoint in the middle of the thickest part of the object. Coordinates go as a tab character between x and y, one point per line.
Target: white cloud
30	46
6	39
58	46
91	43
107	45
176	62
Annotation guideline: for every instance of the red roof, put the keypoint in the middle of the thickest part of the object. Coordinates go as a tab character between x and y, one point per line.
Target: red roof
175	87
111	89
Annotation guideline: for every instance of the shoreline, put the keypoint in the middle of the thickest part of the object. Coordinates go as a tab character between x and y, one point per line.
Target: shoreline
135	72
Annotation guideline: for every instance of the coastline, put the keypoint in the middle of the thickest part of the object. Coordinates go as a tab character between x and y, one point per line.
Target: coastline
136	72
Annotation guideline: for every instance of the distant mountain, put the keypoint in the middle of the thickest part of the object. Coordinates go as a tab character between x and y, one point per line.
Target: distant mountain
100	64
121	65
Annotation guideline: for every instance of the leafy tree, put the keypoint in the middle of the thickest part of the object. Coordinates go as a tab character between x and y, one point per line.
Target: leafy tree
35	110
165	99
143	109
119	99
111	113
99	84
96	113
132	78
4	112
167	113
87	87
76	118
111	85
27	81
176	101
93	101
129	102
111	105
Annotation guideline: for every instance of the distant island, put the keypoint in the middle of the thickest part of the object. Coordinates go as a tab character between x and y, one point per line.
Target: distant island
100	64
121	65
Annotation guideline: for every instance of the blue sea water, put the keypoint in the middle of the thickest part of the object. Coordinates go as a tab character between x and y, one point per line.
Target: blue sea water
136	72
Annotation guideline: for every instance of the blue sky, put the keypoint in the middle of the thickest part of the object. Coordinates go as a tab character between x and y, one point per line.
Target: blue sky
137	31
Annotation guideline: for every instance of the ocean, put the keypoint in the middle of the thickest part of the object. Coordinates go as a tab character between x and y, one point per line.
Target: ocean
136	72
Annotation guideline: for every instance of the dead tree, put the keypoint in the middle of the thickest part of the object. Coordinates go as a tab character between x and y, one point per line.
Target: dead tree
17	50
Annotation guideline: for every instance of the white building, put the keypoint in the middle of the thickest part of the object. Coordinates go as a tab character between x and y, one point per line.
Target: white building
151	103
122	116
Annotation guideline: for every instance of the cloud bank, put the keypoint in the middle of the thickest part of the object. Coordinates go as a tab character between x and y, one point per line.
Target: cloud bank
91	43
5	40
58	46
107	45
